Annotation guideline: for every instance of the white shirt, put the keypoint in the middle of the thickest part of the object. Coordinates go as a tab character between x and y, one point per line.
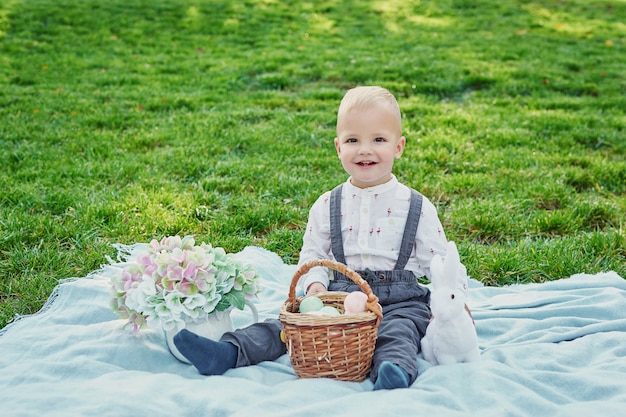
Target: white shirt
372	225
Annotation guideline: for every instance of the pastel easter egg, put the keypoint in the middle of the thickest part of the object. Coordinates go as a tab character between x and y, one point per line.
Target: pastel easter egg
355	302
316	313
311	303
330	311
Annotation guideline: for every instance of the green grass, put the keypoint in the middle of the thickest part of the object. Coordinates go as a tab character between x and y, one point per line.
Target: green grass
121	121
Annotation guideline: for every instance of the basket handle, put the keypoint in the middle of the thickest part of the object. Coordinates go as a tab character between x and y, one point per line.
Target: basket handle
372	300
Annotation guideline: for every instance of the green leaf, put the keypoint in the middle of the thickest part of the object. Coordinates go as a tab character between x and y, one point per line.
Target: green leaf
236	298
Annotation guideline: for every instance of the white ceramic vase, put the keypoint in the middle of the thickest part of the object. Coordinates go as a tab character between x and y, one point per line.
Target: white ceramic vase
212	327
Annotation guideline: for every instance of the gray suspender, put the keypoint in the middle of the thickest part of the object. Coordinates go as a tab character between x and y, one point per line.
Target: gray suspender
336	240
410	229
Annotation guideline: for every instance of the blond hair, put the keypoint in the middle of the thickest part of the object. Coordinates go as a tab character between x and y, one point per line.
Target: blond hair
362	98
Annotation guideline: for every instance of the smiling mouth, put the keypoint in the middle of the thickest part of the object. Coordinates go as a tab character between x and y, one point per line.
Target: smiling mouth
366	163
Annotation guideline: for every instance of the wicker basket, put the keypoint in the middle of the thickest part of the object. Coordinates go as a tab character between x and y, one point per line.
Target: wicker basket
339	347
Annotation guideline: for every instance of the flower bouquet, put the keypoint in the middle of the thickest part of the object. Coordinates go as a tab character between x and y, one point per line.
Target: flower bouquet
175	282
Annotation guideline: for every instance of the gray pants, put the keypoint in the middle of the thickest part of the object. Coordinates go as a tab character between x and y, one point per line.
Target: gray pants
399	334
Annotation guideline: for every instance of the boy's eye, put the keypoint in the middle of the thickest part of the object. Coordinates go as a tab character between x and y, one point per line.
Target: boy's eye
379	139
351	140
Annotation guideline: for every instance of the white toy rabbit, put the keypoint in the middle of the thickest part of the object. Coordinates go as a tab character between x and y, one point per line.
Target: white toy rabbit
451	334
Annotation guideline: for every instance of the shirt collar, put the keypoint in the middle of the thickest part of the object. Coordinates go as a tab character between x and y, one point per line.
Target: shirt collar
377	189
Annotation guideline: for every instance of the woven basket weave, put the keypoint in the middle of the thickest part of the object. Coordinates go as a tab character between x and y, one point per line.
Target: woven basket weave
339	347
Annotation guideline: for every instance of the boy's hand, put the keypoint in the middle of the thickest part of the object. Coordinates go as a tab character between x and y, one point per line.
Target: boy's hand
315	288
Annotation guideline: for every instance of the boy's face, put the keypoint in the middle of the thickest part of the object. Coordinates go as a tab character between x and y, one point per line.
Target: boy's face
367	143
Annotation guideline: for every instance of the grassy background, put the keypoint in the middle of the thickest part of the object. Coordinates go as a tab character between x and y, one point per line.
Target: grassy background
121	121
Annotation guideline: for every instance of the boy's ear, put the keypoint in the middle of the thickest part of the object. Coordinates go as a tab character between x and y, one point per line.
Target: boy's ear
400	146
337	146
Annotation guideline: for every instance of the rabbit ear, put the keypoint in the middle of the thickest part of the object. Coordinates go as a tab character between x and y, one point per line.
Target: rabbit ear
455	274
437	273
448	272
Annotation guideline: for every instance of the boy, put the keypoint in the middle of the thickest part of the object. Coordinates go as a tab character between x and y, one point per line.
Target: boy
369	223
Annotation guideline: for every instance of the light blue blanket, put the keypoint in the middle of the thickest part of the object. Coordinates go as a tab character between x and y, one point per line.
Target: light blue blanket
553	349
